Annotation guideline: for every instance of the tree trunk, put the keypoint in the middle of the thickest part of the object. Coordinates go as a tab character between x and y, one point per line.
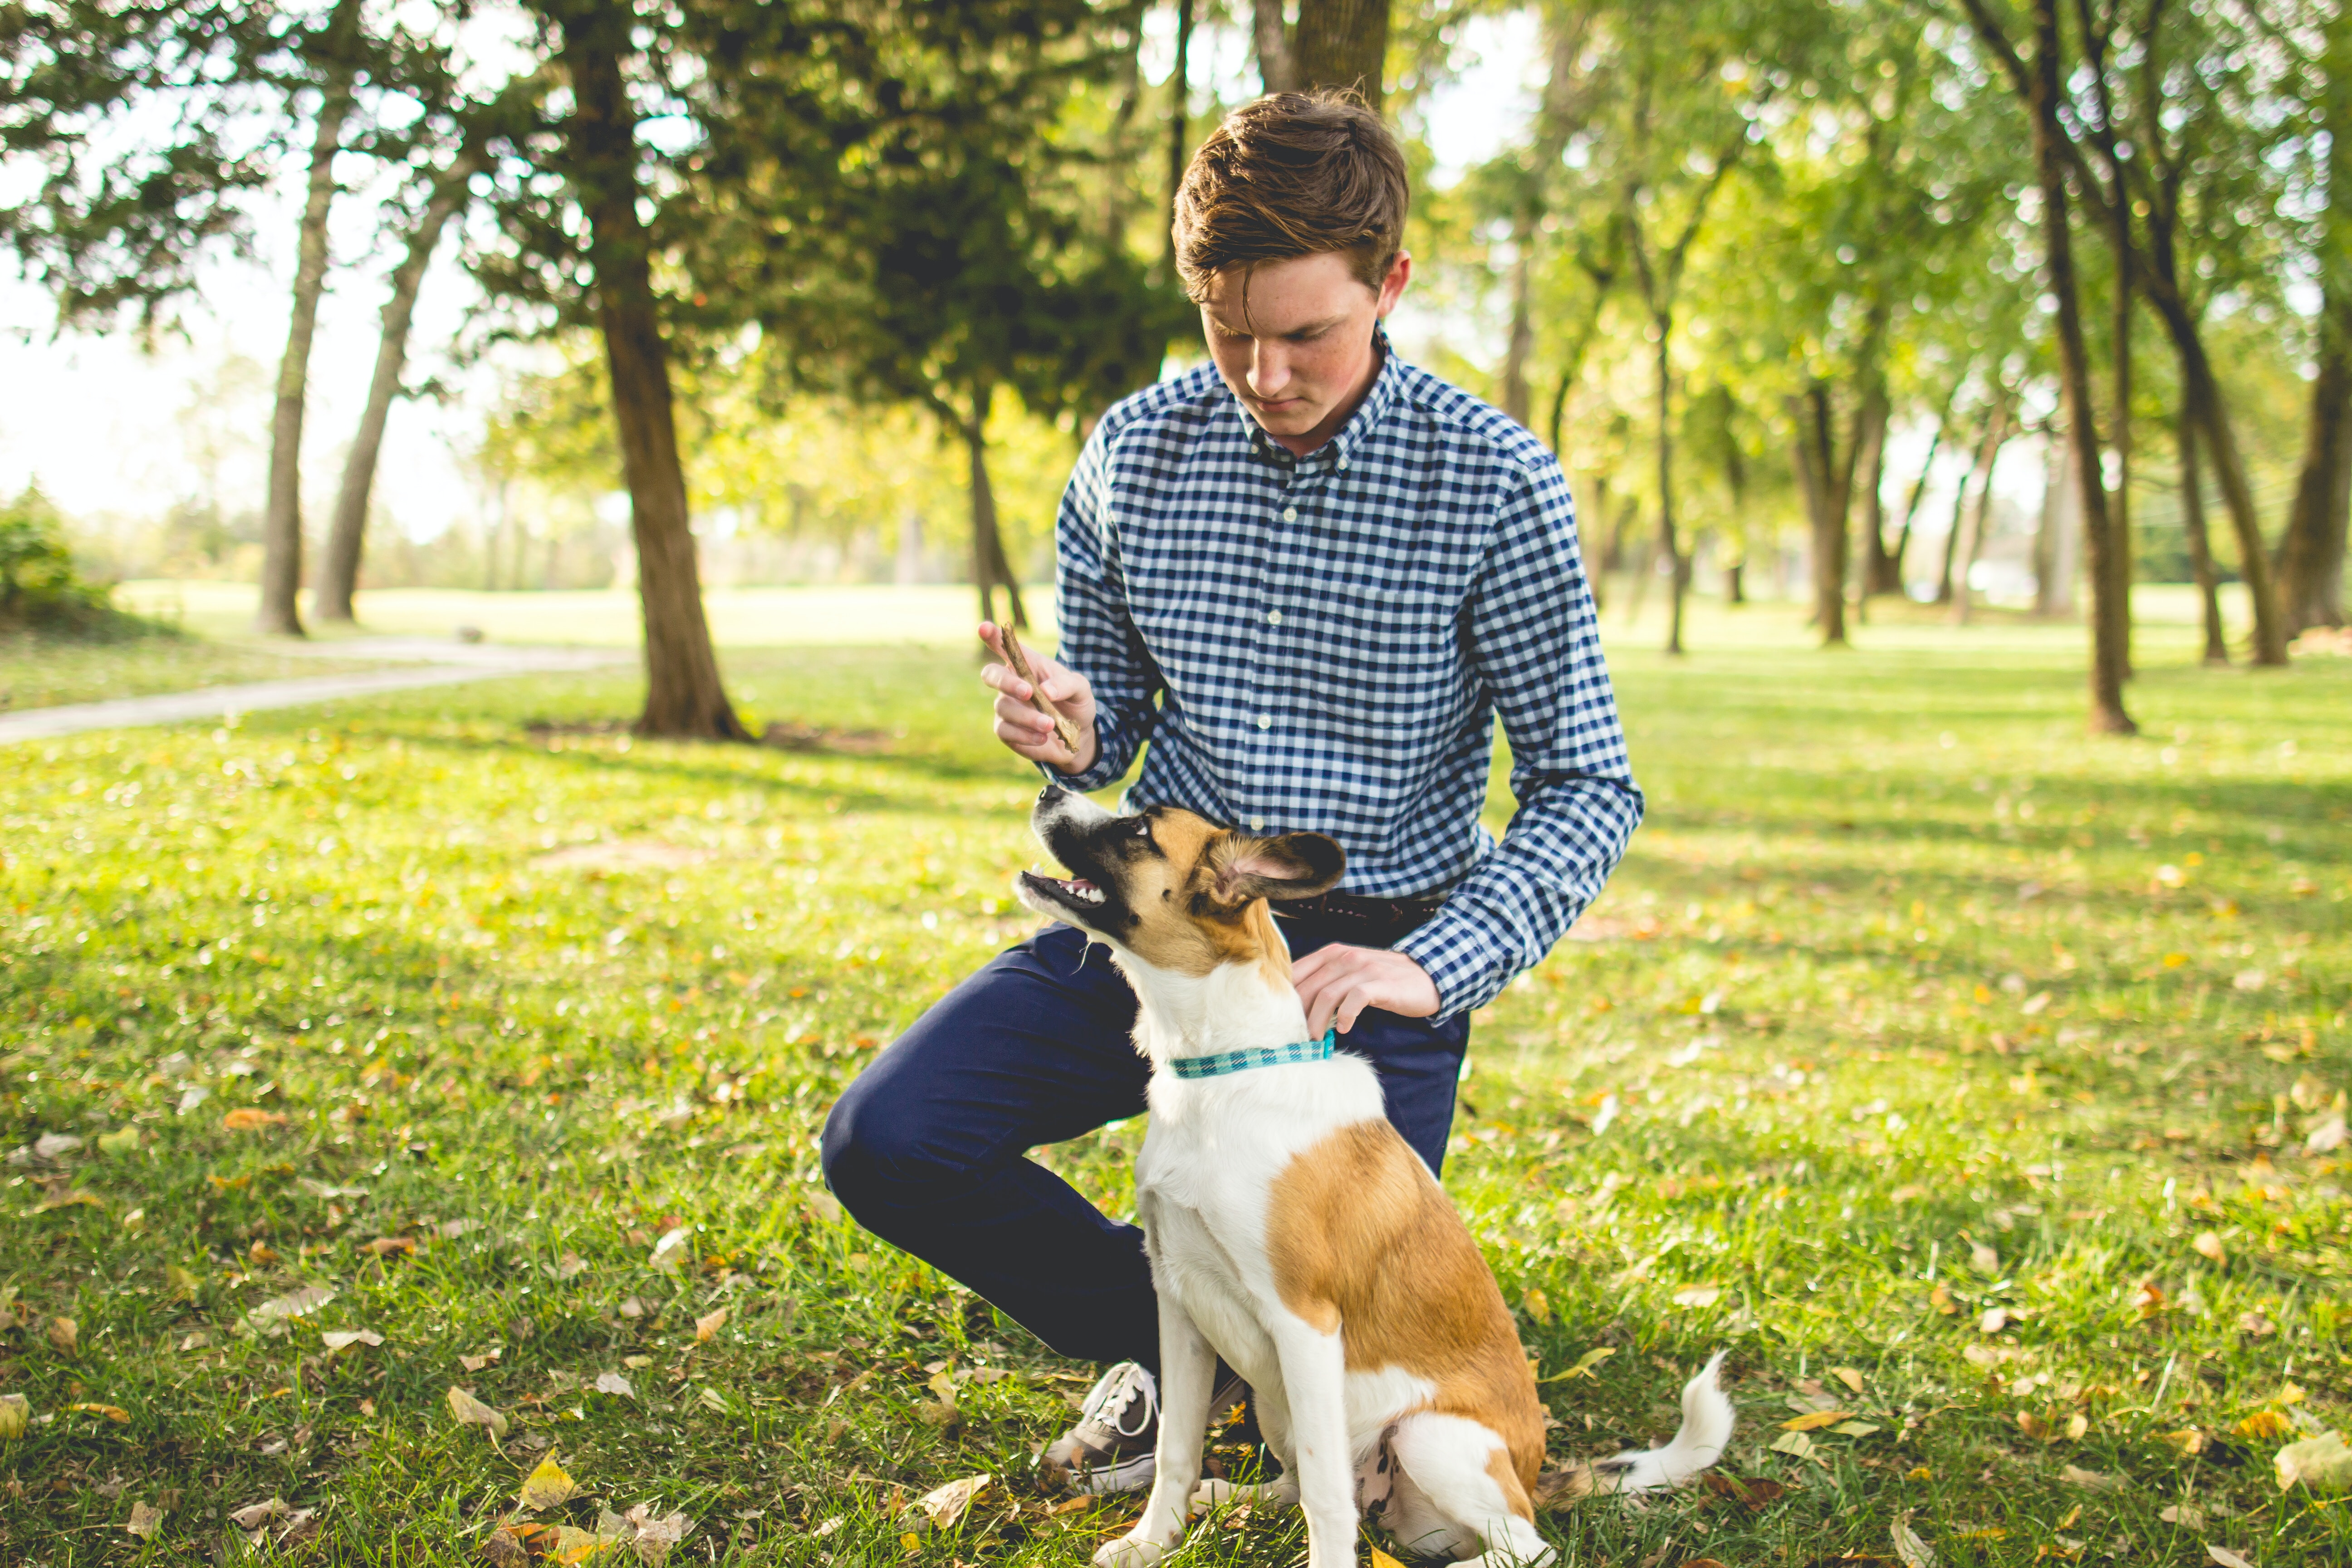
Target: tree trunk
1677	565
1869	458
1816	464
1522	345
1893	581
1342	44
1952	537
339	563
2110	617
2200	547
1180	93
989	565
281	523
684	694
2311	555
1275	68
1996	438
2054	540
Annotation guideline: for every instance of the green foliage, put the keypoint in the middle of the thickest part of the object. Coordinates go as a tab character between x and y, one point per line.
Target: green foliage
40	587
1918	973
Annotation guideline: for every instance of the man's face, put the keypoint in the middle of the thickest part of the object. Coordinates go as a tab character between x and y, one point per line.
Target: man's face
1293	338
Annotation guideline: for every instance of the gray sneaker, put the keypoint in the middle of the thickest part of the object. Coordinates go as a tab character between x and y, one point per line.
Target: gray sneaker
1114	1446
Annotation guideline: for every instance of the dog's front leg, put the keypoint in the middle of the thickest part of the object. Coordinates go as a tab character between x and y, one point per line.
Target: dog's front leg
1315	1379
1188	1370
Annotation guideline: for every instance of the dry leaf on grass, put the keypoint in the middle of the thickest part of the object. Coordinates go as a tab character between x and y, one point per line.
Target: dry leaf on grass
2187	1515
614	1383
1994	1320
946	1505
2225	1557
114	1413
1584	1365
1909	1550
16	1414
1537	1306
1984	1260
2321	1463
1748	1491
546	1487
670	1251
294	1304
246	1119
1698	1295
1847	1375
569	1264
471	1412
344	1339
2263	1425
655	1534
1941	1297
253	1516
705	1327
477	1362
145	1520
384	1245
1380	1559
1794	1444
503	1551
2094	1480
2208	1245
1816	1420
65	1335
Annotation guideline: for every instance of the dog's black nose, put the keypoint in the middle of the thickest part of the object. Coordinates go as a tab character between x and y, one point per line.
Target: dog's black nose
1051	791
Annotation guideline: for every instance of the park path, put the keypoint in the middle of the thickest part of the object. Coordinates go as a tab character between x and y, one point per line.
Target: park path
422	661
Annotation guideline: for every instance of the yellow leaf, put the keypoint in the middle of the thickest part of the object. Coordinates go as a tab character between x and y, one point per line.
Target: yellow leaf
1584	1365
1941	1300
2208	1245
1381	1558
1538	1307
145	1520
2264	1424
911	1541
1815	1420
64	1335
246	1119
1847	1375
114	1413
705	1328
574	1544
546	1487
472	1411
2323	1463
16	1414
946	1504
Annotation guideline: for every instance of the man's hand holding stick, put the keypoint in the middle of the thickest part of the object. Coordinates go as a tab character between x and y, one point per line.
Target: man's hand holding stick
1045	711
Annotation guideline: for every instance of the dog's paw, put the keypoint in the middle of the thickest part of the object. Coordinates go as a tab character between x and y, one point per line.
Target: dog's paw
1276	1495
1130	1552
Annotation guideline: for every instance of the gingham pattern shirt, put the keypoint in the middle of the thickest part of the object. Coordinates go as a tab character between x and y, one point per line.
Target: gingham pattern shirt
1322	643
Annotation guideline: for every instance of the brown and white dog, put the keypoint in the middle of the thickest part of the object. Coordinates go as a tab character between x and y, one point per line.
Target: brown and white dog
1293	1231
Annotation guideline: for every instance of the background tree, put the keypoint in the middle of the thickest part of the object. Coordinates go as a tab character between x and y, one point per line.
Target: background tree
2311	553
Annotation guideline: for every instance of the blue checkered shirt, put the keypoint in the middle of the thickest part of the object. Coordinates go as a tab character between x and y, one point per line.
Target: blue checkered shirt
1322	643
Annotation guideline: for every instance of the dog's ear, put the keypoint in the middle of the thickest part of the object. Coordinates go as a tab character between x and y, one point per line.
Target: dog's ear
1293	865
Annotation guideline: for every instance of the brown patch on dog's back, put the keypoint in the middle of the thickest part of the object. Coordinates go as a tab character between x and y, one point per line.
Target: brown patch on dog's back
1363	1239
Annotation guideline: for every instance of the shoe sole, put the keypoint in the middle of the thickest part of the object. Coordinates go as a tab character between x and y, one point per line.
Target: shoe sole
1107	1481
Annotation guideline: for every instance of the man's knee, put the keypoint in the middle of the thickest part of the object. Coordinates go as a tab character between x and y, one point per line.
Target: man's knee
876	1154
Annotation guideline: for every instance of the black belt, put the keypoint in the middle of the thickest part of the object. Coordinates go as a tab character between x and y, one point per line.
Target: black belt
1392	917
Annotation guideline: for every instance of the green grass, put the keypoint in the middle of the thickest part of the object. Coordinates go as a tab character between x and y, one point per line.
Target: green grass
43	671
1907	995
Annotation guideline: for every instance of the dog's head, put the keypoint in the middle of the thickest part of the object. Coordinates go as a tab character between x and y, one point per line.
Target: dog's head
1171	887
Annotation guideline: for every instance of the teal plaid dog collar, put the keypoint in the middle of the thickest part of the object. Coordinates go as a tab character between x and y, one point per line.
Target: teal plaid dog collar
1224	1062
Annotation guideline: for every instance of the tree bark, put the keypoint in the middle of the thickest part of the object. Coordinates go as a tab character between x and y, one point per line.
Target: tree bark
1826	507
685	696
1516	400
989	564
1180	93
1952	538
1996	438
1869	460
339	562
1893	580
2311	555
2201	546
1677	564
281	523
1342	44
1275	68
2110	617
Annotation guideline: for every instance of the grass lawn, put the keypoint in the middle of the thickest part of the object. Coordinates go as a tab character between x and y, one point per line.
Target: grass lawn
1953	1070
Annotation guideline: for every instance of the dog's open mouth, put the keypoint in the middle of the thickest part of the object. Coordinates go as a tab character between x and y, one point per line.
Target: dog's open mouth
1077	889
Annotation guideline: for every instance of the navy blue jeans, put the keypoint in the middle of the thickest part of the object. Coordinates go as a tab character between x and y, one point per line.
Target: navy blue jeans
927	1149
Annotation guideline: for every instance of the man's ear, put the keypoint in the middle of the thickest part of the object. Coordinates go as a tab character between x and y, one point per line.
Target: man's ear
1293	865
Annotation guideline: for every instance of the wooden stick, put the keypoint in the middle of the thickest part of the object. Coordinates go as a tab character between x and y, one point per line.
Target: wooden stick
1018	658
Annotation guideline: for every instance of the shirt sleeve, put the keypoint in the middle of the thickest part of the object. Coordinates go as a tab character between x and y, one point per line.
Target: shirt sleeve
1534	639
1098	639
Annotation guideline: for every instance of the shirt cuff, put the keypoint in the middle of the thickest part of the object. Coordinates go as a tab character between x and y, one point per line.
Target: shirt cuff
1469	969
1095	777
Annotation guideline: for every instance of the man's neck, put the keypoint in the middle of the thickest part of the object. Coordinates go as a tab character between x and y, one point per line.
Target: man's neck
1337	420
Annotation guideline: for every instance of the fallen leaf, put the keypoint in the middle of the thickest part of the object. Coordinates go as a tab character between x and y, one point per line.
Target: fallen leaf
248	1119
145	1520
705	1327
65	1335
2225	1557
1984	1260
253	1516
1748	1491
1941	1297
2321	1463
1538	1307
503	1551
2091	1481
1584	1365
2187	1515
477	1362
75	1199
1793	1443
710	1399
636	1363
471	1412
16	1414
1854	1429
1847	1375
946	1504
294	1303
343	1338
656	1535
1814	1420
1380	1559
669	1251
114	1413
569	1264
614	1383
450	1230
55	1145
2263	1424
1698	1295
182	1282
2255	1324
546	1487
2327	1137
1994	1320
386	1245
574	1544
1909	1550
2208	1244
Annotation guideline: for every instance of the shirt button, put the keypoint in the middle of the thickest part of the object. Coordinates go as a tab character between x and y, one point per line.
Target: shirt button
1290	514
1274	617
1265	721
1257	824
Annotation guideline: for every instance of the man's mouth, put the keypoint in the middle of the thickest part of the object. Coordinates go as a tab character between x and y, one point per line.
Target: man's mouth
1077	888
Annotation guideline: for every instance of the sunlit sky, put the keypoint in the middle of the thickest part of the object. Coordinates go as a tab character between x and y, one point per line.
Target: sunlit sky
101	422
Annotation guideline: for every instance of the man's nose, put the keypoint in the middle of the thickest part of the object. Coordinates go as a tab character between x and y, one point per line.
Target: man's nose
1269	369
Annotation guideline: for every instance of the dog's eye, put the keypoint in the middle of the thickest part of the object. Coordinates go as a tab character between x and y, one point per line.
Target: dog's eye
1143	830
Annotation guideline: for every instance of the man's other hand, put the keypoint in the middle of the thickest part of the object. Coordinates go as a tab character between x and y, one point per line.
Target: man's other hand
1337	982
1023	730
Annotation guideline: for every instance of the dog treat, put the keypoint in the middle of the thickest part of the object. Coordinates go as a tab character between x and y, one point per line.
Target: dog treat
1018	658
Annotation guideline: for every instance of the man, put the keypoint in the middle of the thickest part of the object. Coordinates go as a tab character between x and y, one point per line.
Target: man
1307	576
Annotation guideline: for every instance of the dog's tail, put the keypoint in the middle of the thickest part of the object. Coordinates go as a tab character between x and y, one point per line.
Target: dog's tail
1708	1417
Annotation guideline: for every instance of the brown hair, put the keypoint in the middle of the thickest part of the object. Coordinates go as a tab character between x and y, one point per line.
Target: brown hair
1295	174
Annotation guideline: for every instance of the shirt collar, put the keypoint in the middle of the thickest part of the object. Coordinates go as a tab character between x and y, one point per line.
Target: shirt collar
1340	448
